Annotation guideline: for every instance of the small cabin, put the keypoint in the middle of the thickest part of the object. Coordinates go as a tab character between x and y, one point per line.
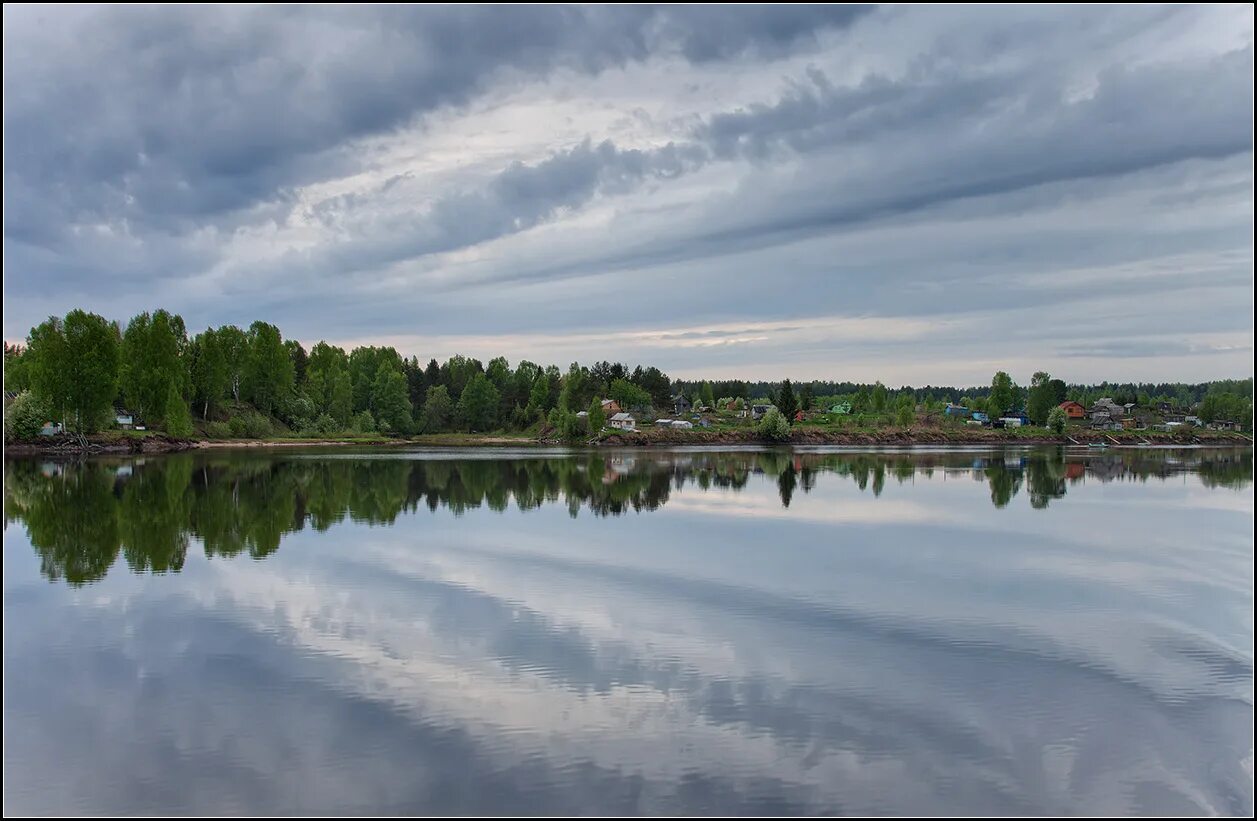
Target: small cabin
1073	410
622	421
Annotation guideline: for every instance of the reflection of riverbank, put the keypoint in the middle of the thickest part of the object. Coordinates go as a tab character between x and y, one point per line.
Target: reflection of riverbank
81	515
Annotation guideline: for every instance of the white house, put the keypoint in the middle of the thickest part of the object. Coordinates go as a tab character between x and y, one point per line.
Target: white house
622	421
681	423
124	420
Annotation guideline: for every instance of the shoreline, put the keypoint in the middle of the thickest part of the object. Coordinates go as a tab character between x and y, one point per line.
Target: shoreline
159	443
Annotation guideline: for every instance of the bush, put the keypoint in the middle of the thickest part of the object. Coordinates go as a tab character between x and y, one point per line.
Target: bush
774	426
904	417
325	425
218	430
1056	420
237	427
257	426
363	422
24	417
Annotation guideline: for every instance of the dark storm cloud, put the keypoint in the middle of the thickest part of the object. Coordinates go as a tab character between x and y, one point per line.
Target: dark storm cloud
171	116
1001	137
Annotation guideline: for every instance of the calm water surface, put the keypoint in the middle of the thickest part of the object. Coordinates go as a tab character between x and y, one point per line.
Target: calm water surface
768	632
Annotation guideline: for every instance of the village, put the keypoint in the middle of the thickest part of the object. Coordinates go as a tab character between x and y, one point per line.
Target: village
1104	414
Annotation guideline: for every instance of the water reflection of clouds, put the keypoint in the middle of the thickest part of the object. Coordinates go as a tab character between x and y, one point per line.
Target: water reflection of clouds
554	682
691	662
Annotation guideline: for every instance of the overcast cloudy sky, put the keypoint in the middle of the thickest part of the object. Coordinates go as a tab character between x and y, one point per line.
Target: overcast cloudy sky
913	194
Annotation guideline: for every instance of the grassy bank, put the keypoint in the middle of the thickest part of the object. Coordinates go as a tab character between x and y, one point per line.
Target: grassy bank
158	442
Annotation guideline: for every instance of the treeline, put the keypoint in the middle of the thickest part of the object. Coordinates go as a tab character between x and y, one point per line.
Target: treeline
82	367
1180	394
1221	400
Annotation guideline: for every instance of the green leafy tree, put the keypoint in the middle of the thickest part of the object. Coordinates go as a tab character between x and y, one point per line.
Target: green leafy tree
805	398
300	361
211	372
628	395
708	398
539	396
178	422
1056	419
879	398
773	426
234	344
597	416
1002	396
268	375
24	417
153	350
1041	398
390	399
16	371
438	409
478	406
74	368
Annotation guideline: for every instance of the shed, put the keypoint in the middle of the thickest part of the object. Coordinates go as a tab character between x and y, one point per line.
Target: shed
622	421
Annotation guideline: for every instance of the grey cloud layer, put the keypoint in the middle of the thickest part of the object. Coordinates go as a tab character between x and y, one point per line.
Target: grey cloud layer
913	162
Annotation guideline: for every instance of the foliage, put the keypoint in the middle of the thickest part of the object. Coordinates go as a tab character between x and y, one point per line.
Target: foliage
363	422
326	425
210	371
597	416
390	400
218	430
153	363
805	398
879	398
178	422
24	417
628	395
74	368
1002	396
257	426
1056	419
268	372
566	424
1042	398
903	417
17	376
786	402
773	426
1220	405
478	406
437	410
237	426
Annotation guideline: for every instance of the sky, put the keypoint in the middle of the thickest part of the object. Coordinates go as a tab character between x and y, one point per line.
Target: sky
921	195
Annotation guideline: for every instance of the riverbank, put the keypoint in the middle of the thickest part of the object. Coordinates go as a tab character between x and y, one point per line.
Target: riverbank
902	437
132	442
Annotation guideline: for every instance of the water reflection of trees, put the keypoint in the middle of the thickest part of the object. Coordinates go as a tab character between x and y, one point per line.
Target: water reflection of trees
81	516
